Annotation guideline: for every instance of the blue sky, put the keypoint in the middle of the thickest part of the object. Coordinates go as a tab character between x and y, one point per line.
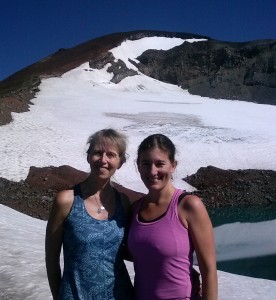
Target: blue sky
33	29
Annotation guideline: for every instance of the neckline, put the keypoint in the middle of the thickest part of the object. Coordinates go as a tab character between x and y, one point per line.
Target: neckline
117	203
141	221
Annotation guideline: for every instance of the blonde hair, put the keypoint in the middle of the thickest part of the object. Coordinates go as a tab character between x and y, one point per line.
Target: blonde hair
112	135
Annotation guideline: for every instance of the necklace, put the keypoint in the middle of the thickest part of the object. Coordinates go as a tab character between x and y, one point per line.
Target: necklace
101	208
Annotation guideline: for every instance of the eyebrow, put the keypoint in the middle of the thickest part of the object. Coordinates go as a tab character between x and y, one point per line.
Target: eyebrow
104	150
156	161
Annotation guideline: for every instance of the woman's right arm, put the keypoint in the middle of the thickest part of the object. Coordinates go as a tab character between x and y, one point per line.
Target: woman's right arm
54	238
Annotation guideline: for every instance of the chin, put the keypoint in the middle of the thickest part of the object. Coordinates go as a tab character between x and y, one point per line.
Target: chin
104	176
153	186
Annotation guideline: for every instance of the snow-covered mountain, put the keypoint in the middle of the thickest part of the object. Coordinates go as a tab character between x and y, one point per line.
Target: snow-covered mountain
210	68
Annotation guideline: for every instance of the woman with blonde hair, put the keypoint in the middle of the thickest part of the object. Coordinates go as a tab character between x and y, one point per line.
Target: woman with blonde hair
89	222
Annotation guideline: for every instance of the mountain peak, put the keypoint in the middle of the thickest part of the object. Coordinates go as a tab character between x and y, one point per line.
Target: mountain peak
201	65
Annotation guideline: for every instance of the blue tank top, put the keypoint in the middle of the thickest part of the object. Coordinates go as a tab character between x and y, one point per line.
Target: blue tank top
93	262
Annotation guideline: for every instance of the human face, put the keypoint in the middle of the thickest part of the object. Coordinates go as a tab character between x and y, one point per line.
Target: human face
155	168
104	160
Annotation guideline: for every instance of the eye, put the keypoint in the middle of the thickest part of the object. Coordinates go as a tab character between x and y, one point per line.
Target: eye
97	153
111	155
160	164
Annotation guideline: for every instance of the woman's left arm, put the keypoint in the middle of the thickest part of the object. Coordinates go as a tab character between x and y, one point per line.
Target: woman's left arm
201	230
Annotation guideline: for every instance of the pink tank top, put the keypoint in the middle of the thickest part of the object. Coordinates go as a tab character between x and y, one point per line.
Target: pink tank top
162	253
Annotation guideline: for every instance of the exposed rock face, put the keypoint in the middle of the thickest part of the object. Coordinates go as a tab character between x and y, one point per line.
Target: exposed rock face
120	71
117	68
242	71
220	187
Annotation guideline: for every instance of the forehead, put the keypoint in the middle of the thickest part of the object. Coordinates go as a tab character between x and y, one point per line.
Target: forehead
106	145
154	154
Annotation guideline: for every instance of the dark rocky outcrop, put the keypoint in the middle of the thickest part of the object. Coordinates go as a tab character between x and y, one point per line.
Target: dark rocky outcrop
117	68
218	188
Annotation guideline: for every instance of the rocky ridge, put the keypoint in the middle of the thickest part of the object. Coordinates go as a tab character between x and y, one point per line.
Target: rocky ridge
217	188
216	69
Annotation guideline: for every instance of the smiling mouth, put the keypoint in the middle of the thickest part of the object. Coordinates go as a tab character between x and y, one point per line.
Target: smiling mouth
102	168
153	180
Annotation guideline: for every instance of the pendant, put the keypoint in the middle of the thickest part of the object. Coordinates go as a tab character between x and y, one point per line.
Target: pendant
100	209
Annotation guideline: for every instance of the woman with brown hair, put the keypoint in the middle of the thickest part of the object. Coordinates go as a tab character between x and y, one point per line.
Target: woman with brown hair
168	225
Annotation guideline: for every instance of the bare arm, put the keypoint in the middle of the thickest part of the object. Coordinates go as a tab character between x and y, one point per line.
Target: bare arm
201	230
54	237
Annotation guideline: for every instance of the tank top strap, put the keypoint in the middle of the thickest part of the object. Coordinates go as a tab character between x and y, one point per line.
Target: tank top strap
172	210
175	197
77	190
78	198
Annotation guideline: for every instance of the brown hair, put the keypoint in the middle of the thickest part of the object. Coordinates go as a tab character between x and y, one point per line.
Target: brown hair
157	141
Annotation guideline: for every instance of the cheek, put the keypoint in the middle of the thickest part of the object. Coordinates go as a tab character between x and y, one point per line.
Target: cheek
116	163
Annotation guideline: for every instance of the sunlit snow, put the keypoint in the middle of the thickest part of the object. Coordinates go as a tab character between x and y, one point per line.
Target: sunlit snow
225	134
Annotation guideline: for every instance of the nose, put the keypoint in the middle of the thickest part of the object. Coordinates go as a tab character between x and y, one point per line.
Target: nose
103	157
153	169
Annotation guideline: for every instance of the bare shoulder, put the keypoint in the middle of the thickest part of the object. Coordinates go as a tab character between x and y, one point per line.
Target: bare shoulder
194	210
65	196
63	203
60	210
192	205
191	202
